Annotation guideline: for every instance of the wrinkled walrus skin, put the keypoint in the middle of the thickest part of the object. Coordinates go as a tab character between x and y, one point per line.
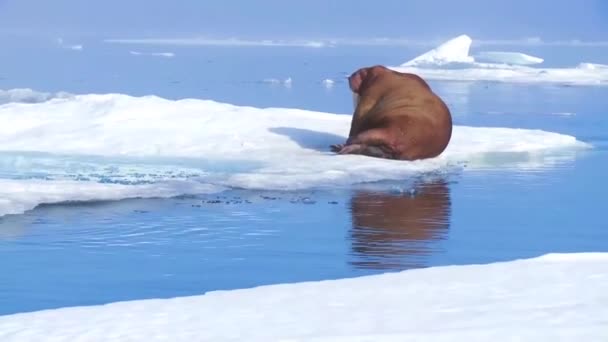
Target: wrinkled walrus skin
397	116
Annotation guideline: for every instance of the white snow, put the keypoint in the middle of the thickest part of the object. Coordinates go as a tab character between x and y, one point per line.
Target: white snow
556	297
516	58
452	61
251	148
153	54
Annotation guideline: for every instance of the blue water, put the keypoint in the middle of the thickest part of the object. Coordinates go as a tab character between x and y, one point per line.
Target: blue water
84	254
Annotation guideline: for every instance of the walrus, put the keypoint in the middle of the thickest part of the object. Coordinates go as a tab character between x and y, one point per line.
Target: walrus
397	116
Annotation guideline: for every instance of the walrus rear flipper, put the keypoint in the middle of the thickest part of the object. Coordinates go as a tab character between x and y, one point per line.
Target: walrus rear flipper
378	151
372	143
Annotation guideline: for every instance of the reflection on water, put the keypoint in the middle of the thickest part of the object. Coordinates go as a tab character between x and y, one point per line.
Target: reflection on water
399	231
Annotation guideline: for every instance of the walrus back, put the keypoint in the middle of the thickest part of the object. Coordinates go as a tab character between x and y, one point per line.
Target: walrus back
397	115
418	121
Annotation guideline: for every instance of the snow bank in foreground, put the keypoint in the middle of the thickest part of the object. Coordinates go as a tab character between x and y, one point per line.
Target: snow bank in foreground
452	61
244	147
557	297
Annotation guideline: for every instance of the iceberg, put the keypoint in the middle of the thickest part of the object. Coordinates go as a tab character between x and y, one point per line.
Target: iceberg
221	145
451	61
453	51
552	297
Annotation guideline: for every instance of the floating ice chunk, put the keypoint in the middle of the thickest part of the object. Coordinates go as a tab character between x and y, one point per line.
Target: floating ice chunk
115	124
272	80
593	66
155	54
288	149
516	58
76	47
275	81
328	83
453	51
554	297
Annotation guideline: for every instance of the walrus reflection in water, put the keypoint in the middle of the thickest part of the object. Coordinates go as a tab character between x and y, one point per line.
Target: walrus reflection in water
397	116
397	231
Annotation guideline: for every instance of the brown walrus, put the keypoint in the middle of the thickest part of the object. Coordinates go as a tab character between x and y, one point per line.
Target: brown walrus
397	116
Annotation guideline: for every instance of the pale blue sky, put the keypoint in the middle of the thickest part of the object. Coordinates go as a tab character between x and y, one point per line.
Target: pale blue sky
422	19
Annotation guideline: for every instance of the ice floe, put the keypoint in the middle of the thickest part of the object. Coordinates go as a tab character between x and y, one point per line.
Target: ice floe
553	297
224	145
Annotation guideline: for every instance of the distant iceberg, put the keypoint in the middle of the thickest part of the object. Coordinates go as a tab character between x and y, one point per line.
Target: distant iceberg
452	61
454	51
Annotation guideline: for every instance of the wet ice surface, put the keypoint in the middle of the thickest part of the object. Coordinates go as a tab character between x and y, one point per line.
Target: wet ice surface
136	249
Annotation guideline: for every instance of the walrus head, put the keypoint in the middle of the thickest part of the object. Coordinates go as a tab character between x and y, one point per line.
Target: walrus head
356	79
355	100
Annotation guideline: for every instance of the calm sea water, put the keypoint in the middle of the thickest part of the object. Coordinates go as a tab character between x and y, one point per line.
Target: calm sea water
65	255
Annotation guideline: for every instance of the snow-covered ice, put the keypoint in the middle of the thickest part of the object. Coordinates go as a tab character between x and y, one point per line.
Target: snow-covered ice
516	58
453	61
555	297
26	95
18	196
245	147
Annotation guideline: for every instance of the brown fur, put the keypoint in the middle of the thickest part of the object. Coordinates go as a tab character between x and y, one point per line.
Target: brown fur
397	116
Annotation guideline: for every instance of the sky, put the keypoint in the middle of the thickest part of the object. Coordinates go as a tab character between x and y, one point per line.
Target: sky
282	19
